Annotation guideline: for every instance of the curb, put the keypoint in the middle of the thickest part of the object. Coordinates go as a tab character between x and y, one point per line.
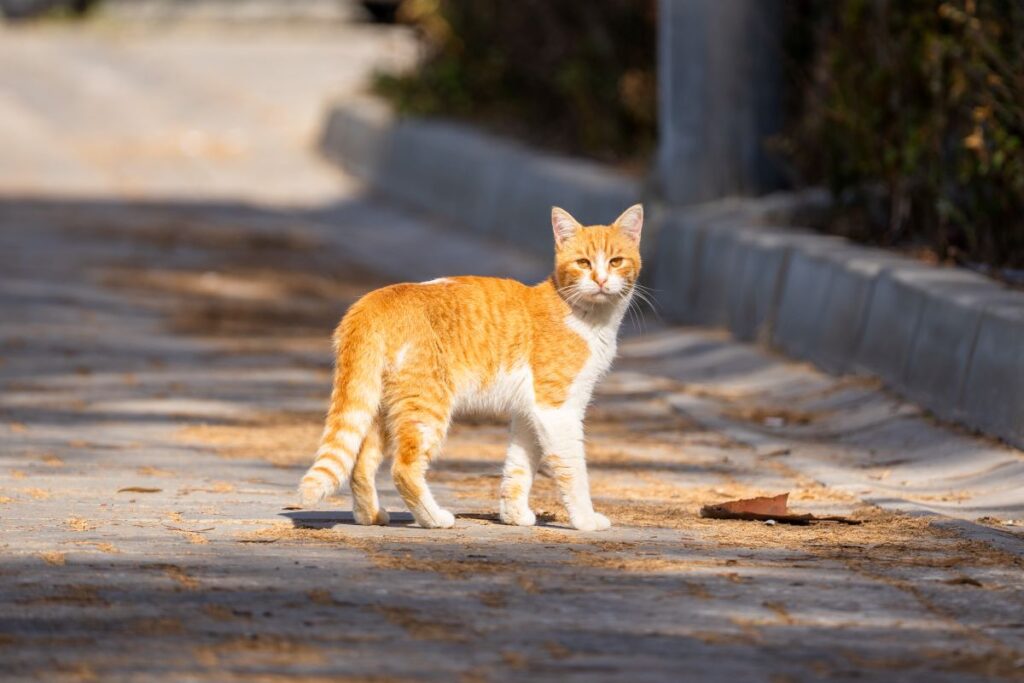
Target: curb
489	186
946	338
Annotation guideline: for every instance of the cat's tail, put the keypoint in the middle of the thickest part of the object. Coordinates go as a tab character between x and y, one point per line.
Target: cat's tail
355	400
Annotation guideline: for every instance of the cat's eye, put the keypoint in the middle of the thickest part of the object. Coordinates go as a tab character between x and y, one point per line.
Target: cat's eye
615	262
583	263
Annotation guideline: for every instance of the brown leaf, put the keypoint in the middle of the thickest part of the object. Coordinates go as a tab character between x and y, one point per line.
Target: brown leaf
138	489
963	580
776	505
763	509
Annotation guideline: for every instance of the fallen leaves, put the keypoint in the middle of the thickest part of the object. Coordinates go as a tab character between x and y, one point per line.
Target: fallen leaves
218	487
51	460
98	545
765	509
81	595
321	596
263	649
79	524
421	627
963	580
53	557
139	489
150	471
776	416
283	439
177	574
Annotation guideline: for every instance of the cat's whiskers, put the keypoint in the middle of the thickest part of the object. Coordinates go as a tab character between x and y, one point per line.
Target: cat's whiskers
644	294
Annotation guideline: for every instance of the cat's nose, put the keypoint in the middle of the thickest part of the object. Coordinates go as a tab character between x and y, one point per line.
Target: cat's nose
600	280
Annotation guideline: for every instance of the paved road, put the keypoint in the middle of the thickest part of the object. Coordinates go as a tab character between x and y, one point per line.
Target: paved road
172	259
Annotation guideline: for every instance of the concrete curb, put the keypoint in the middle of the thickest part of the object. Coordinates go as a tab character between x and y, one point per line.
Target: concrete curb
948	339
486	185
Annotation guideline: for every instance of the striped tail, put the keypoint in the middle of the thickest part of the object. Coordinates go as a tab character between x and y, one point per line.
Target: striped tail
355	401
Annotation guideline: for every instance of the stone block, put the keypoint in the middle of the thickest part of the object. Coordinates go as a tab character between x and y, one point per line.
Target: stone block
938	363
898	301
754	290
993	395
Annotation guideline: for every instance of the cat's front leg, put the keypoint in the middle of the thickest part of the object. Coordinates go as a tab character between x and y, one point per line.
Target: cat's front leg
560	434
517	478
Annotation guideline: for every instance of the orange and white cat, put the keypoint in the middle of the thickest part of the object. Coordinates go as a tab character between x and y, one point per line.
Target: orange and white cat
410	357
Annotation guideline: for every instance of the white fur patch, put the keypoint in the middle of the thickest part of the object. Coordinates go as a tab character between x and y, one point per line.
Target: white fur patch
349	441
436	281
400	356
601	266
357	419
511	391
601	336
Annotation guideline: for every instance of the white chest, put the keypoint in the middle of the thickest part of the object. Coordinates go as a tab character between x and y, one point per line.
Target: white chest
602	342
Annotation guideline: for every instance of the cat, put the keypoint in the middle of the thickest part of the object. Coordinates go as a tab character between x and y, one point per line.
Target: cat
412	356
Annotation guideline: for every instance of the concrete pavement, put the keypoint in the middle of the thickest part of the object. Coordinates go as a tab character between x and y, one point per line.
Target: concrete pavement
166	300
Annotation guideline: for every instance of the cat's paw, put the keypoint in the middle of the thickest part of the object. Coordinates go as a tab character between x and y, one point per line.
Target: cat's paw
312	492
439	519
593	522
366	518
517	515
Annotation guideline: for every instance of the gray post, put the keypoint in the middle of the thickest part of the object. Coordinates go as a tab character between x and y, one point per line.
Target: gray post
720	96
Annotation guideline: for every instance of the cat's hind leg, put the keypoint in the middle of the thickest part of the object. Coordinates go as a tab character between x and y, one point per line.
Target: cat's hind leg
418	428
365	504
521	462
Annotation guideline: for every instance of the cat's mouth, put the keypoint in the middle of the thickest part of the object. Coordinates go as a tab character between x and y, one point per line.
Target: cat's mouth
602	297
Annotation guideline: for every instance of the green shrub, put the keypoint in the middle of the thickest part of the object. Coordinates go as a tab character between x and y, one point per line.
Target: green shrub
576	76
913	111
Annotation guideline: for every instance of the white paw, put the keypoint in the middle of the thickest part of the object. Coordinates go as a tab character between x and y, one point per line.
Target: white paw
383	518
517	515
440	519
594	522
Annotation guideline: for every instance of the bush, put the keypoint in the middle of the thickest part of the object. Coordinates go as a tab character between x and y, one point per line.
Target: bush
574	76
913	112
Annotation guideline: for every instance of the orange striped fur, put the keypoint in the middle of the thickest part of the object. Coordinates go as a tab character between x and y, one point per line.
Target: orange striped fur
410	357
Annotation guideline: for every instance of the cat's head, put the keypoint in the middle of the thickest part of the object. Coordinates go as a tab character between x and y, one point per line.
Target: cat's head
597	264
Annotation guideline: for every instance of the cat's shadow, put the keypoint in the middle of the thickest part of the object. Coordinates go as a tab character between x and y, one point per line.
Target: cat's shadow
326	519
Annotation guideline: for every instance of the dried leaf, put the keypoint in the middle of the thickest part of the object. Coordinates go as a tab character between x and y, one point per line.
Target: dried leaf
776	505
138	489
763	509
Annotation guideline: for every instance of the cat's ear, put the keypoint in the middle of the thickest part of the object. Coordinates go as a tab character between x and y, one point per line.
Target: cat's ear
563	225
631	222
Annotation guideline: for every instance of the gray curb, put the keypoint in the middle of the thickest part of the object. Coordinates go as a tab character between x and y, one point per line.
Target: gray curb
946	338
489	186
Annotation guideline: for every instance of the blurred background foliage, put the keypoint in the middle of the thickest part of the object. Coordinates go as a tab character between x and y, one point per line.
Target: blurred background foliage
912	112
575	77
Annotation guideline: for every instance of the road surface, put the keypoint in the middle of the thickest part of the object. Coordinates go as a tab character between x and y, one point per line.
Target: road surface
173	257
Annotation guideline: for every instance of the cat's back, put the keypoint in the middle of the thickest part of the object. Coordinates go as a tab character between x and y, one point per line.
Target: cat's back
467	293
462	305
